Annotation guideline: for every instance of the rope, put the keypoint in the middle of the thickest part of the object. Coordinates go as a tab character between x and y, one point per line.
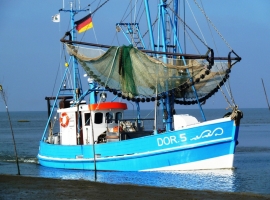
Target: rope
227	86
228	89
213	25
224	95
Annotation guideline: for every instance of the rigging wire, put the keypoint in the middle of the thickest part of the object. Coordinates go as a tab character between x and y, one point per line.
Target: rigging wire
227	86
188	34
184	23
124	18
213	25
58	69
142	12
196	22
61	54
115	36
204	42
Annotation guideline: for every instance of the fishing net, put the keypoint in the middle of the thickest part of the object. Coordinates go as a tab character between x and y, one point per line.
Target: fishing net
137	74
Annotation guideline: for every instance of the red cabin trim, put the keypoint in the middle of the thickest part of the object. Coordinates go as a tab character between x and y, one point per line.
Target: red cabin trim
107	106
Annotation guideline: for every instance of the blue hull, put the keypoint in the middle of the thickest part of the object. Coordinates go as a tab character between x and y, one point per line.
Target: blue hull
166	151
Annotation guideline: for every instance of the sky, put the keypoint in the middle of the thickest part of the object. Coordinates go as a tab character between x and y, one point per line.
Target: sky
30	47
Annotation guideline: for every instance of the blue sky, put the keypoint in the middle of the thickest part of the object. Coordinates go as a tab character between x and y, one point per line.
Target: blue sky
30	48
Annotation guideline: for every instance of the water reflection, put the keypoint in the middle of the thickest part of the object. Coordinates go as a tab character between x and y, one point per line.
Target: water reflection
218	180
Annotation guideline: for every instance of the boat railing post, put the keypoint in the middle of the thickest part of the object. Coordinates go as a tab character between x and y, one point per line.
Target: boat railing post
94	153
155	121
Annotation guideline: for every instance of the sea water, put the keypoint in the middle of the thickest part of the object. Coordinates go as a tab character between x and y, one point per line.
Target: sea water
252	157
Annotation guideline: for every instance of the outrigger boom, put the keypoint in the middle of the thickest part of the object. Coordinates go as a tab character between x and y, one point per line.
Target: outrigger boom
186	56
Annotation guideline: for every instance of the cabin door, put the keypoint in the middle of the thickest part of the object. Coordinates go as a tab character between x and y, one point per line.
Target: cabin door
87	129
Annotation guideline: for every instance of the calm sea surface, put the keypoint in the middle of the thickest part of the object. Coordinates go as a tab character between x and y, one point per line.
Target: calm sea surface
252	157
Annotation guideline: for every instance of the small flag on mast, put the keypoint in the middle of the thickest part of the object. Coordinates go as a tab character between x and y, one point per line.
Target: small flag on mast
84	24
56	18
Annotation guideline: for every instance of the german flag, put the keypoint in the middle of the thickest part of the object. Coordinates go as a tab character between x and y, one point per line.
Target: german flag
84	24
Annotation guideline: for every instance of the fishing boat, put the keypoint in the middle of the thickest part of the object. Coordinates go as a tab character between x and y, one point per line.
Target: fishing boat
89	129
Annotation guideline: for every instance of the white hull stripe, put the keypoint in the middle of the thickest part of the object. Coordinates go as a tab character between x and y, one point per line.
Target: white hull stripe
221	162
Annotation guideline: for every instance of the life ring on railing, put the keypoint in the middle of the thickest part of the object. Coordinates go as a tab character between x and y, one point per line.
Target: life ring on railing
115	129
64	119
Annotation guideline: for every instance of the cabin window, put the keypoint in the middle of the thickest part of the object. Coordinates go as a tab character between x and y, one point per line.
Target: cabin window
118	116
87	119
98	118
109	117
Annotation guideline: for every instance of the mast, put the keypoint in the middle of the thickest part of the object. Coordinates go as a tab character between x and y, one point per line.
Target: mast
74	60
76	74
176	25
169	101
77	85
149	24
169	96
153	49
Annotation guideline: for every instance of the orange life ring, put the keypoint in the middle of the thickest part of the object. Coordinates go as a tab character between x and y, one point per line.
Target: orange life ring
64	119
115	129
